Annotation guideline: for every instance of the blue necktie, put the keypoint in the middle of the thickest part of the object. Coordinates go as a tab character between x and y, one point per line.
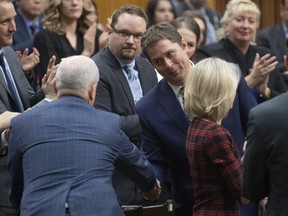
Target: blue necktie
134	83
11	86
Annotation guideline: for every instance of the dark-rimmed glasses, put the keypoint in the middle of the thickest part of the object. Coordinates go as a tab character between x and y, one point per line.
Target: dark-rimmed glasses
126	34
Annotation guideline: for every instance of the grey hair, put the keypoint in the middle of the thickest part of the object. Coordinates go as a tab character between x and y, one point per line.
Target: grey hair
77	73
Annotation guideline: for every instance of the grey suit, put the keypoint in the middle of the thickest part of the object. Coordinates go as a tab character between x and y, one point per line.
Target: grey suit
265	161
114	95
28	97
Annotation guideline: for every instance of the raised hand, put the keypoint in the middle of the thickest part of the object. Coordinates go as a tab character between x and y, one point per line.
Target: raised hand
89	40
28	62
48	79
262	67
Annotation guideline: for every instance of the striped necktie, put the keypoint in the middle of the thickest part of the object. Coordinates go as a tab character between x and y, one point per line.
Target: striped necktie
134	82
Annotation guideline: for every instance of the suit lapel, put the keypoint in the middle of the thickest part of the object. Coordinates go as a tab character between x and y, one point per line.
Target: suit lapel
172	107
117	70
17	72
144	79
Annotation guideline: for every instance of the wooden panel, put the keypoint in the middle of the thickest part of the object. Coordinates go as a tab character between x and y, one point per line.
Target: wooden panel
107	7
269	8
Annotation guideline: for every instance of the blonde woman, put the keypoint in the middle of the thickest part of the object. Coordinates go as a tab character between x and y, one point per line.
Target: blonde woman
239	25
70	29
215	163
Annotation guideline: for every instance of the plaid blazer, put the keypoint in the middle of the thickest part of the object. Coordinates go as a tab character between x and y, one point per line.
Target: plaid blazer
215	168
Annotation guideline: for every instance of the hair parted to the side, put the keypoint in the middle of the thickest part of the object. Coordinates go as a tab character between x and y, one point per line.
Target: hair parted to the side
52	18
77	73
210	88
188	23
237	6
158	32
130	9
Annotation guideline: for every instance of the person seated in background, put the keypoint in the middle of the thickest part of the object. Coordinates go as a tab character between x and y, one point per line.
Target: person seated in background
67	168
28	22
190	32
215	163
201	23
160	11
276	37
211	16
258	66
69	30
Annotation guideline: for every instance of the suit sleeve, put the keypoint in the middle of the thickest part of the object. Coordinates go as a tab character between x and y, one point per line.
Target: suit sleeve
255	171
151	148
134	165
15	167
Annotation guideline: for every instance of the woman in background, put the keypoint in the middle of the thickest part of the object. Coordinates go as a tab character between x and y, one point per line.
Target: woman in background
238	29
198	17
69	30
160	11
190	32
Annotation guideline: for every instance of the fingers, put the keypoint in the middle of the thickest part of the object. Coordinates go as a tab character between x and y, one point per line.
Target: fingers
51	64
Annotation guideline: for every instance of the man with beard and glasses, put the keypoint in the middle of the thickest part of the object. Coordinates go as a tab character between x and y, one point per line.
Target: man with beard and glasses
124	79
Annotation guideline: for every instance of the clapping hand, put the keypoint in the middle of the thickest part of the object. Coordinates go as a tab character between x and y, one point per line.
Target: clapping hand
48	79
28	62
154	193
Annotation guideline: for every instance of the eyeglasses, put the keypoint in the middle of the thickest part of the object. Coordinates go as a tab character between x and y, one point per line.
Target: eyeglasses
126	34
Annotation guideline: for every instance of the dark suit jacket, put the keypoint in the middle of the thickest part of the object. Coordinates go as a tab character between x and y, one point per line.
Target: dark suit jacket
72	160
274	38
113	91
265	162
226	50
28	97
164	128
22	38
114	95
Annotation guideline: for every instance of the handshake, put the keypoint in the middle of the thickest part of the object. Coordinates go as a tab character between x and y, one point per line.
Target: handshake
154	193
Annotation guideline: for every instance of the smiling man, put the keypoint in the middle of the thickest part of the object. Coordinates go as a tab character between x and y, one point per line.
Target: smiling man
124	79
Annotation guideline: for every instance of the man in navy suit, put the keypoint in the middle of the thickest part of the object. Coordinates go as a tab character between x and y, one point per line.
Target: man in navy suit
28	23
163	121
117	92
67	168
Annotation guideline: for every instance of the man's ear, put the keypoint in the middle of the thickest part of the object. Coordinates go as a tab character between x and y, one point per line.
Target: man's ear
184	45
92	94
54	86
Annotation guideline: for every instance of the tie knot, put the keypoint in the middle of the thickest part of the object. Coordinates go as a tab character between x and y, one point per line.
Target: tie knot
129	71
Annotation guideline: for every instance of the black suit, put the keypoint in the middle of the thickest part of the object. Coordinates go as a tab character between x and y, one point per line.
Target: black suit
226	50
114	95
28	98
265	162
274	38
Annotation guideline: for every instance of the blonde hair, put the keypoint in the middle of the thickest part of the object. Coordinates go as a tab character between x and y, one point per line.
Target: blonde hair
210	88
52	19
237	6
